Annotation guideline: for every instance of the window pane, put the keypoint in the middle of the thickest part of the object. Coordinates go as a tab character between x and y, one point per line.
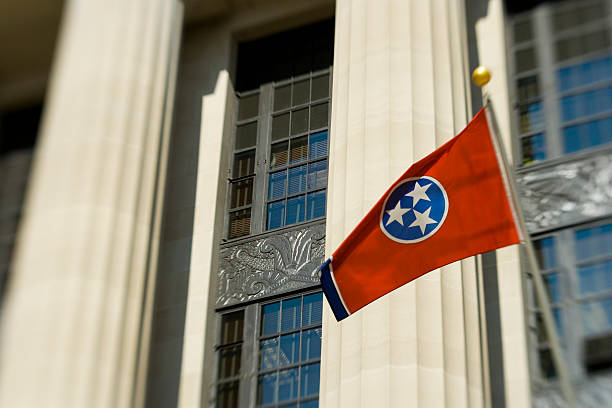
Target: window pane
269	320
246	135
282	97
297	180
289	349
531	117
523	31
317	175
229	361
528	89
227	394
240	223
583	44
309	381
301	92
298	149
296	207
318	145
585	104
595	278
268	354
299	121
578	14
545	252
280	126
547	366
288	384
279	154
525	60
541	332
248	106
313	308
586	135
311	344
276	214
320	87
533	148
551	281
318	116
310	404
277	185
231	327
266	389
315	205
242	193
593	241
244	164
597	316
292	311
584	73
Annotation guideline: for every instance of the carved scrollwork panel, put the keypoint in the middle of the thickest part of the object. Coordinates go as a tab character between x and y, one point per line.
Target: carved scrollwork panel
270	264
567	193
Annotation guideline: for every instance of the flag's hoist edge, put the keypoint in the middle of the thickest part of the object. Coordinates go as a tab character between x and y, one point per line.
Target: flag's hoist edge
331	291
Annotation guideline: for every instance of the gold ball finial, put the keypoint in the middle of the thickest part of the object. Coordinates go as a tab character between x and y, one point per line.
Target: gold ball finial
481	76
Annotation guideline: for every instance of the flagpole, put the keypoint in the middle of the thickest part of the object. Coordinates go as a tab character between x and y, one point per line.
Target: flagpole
481	76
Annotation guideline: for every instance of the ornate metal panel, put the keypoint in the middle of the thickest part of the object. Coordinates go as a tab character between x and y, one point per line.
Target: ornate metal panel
270	264
595	393
567	193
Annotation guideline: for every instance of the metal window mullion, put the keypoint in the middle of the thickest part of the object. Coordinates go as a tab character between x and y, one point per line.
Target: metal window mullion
258	213
593	86
595	260
248	388
546	62
595	297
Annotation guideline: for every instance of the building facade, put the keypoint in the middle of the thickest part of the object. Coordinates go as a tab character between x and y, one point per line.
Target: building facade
197	161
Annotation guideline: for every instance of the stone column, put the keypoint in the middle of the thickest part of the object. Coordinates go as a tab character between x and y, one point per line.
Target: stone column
400	90
77	308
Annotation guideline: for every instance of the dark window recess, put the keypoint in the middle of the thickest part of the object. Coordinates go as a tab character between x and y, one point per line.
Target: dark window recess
279	170
598	353
285	55
19	128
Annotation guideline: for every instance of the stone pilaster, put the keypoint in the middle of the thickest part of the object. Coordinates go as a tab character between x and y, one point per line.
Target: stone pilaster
400	91
77	308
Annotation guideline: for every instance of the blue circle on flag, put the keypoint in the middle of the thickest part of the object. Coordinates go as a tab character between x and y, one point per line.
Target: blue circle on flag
414	210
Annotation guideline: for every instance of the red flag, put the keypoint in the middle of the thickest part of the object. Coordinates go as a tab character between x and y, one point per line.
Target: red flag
448	206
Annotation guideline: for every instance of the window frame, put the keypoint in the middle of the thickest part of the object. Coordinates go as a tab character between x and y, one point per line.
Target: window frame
263	148
278	334
249	373
566	266
545	72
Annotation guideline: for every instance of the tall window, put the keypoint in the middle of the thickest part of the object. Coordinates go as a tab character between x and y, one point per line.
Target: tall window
243	171
577	268
297	174
279	171
269	349
562	68
269	355
290	352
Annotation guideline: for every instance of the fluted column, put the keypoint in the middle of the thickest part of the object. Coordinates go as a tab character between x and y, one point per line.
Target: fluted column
400	91
77	307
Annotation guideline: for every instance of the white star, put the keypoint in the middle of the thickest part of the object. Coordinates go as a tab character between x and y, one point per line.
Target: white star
418	193
422	220
397	214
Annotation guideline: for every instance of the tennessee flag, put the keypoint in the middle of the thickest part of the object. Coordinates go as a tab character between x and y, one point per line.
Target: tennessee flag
452	204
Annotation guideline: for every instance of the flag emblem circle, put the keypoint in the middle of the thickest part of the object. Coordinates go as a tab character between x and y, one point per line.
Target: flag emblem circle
414	210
